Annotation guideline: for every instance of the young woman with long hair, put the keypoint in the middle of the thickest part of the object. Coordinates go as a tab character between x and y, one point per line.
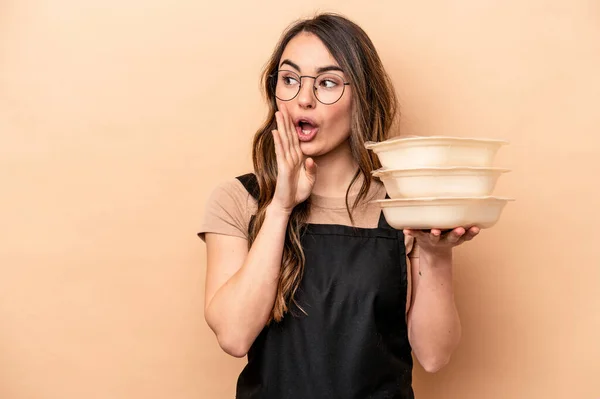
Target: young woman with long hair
304	274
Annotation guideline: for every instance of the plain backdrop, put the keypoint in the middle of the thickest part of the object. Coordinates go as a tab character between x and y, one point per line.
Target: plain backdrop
118	118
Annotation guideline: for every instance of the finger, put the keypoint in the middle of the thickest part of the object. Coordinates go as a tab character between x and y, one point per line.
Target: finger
455	235
292	127
411	232
471	233
434	235
311	169
278	147
291	136
419	234
295	141
296	146
283	136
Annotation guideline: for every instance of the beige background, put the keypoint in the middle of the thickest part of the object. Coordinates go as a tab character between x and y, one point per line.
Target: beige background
117	118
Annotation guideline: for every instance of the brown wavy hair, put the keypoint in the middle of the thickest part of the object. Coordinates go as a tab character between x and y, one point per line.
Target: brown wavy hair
374	108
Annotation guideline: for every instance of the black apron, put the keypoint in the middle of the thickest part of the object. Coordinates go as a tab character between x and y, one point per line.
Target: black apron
353	342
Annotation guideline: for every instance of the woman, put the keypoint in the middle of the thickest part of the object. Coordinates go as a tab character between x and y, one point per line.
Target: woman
304	274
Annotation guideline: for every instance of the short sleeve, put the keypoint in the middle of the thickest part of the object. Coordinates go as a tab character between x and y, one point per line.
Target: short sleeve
228	211
412	249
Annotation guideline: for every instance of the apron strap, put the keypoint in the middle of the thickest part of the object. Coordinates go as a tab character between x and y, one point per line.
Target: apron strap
383	224
250	183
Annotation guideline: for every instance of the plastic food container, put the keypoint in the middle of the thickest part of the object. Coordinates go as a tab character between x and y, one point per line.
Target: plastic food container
440	182
435	151
443	213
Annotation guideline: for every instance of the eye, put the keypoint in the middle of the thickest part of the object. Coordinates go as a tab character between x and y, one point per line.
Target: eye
328	84
289	79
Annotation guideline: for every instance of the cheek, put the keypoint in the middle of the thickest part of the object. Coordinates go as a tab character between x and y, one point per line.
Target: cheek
341	118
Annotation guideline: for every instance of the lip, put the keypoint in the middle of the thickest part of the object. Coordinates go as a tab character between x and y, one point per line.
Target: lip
303	137
305	119
306	138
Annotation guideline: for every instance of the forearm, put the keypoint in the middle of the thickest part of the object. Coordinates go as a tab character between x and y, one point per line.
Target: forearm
240	309
434	324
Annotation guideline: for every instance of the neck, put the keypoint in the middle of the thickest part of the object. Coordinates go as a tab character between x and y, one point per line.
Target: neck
335	171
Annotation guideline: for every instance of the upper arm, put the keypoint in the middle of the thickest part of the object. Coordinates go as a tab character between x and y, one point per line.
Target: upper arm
412	270
225	255
225	231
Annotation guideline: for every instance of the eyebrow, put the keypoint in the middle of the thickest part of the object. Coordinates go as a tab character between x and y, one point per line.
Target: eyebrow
319	70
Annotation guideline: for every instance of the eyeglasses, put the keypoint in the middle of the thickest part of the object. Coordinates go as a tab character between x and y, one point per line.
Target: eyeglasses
328	87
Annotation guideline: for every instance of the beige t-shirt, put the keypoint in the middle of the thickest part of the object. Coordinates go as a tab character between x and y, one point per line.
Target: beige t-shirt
230	208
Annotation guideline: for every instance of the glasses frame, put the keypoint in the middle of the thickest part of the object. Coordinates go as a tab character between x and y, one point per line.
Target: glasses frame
315	89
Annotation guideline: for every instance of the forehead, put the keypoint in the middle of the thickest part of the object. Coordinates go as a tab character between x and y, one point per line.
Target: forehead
308	52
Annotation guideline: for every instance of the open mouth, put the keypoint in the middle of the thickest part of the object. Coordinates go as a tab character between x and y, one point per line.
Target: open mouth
306	127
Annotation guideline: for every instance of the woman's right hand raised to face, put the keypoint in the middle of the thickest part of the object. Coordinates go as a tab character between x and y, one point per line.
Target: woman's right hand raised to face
296	174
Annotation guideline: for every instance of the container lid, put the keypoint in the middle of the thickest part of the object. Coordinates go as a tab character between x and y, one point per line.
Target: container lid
434	201
432	170
429	140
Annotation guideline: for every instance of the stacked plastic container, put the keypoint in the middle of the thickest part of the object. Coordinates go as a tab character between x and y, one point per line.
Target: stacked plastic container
439	182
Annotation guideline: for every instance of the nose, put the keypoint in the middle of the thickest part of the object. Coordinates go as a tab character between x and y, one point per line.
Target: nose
306	96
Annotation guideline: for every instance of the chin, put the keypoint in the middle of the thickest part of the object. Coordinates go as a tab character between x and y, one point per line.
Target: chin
309	149
315	149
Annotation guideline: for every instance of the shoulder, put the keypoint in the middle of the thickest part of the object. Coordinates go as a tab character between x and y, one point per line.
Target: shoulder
232	193
229	209
231	187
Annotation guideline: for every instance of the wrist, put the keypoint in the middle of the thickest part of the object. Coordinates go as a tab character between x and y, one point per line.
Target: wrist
437	259
277	212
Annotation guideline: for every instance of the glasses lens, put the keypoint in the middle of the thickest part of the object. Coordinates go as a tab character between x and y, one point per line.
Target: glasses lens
329	87
287	86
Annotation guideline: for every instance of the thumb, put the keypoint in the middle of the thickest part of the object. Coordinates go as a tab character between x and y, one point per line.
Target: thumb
311	169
